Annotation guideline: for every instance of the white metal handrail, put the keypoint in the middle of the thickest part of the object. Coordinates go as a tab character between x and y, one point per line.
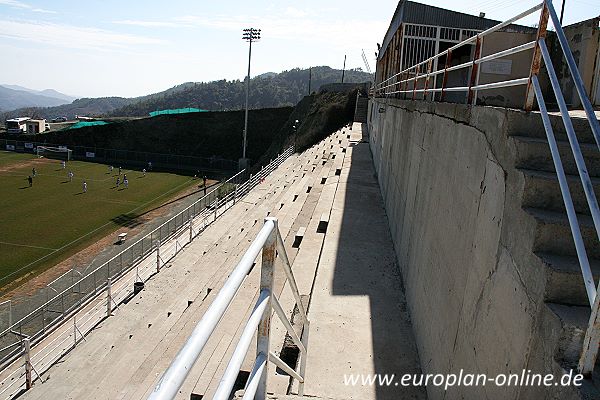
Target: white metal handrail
592	337
53	351
268	242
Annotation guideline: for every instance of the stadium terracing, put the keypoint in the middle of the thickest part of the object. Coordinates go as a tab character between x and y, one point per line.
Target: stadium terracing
341	301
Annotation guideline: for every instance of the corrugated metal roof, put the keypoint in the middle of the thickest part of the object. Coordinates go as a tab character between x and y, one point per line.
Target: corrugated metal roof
418	13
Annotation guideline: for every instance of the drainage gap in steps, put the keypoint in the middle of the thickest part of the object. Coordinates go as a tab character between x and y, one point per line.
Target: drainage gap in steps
289	351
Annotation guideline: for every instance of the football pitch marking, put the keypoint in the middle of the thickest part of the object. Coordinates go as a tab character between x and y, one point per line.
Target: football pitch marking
75	178
27	245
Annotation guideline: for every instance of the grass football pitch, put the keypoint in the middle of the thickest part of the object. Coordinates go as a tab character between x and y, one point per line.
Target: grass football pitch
44	224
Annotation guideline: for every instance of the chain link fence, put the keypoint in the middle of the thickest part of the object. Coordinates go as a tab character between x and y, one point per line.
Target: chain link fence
140	159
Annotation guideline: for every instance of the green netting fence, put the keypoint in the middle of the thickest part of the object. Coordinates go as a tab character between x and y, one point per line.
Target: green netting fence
177	111
83	124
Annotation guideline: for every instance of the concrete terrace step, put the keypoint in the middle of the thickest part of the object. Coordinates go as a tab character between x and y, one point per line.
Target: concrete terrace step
543	191
565	328
564	281
553	234
534	153
534	128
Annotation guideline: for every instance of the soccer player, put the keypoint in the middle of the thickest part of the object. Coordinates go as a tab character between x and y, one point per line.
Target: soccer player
63	164
126	183
33	172
119	171
144	172
70	175
30	181
149	165
84	186
110	169
118	181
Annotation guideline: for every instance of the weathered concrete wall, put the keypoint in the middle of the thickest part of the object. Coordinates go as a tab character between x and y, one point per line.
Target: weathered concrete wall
463	242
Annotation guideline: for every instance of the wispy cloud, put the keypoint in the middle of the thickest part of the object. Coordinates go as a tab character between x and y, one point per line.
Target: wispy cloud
279	23
24	6
293	24
152	24
71	36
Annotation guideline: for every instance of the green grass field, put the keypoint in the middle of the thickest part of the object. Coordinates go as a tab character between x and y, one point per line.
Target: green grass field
47	219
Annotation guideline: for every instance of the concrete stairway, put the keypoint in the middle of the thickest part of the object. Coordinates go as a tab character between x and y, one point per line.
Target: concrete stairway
362	106
124	357
567	309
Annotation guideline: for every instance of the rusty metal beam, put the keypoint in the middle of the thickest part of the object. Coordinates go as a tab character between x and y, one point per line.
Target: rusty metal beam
536	60
474	69
445	78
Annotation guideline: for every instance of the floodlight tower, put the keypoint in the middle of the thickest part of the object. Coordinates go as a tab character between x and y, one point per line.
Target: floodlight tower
250	35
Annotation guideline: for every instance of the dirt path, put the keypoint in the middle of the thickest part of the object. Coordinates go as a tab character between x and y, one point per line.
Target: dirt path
34	162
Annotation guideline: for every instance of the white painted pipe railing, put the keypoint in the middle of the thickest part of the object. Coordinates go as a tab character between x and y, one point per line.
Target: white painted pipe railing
268	241
592	337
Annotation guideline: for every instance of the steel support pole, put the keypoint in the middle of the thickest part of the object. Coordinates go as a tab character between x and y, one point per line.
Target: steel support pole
74	332
28	366
108	297
191	230
445	78
266	283
415	81
247	92
429	66
303	357
158	255
474	69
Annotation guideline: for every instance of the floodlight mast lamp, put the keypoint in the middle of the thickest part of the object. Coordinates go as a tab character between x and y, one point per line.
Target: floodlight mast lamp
250	35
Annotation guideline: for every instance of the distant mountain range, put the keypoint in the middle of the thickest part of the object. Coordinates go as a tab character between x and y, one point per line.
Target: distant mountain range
266	90
14	96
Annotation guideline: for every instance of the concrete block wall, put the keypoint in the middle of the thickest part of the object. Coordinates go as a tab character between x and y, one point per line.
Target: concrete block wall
474	287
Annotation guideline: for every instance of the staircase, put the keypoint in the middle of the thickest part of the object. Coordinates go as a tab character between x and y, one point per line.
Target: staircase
566	312
362	106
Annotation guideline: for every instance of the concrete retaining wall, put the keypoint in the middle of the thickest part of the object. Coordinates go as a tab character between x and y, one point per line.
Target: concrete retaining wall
463	242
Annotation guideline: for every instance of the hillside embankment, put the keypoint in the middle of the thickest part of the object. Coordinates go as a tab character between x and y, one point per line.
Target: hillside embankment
204	134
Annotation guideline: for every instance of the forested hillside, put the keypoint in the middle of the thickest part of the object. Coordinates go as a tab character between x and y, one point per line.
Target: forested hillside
266	90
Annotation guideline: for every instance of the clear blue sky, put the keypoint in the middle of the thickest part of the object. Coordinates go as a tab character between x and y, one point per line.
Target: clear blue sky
131	48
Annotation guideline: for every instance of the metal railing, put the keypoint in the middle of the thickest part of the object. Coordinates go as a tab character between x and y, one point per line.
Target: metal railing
399	84
147	255
270	243
592	336
416	78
